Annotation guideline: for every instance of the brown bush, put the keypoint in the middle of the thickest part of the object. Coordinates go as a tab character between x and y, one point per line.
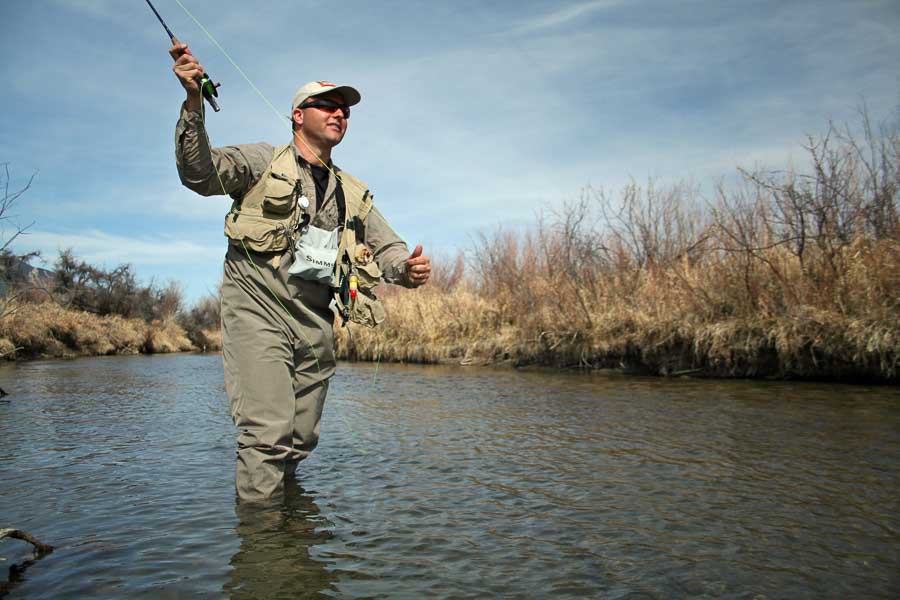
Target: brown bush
91	289
166	336
789	275
202	323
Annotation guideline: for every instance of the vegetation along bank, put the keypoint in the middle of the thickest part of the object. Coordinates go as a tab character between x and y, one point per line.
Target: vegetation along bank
787	274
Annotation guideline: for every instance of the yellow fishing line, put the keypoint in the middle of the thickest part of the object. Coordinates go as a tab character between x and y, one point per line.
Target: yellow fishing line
209	145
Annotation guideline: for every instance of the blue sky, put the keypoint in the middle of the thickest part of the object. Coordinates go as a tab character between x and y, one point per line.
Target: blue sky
474	114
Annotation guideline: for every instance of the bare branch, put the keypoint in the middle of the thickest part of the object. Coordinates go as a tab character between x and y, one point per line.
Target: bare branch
39	547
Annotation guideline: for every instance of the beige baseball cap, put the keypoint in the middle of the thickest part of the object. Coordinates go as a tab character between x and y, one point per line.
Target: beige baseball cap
315	88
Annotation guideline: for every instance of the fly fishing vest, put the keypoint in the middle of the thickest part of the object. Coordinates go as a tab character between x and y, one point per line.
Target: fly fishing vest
271	217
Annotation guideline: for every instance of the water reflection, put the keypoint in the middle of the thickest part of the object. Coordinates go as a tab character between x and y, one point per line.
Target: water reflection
276	542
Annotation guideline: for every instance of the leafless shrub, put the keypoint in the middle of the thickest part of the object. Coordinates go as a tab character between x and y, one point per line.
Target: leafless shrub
166	302
6	204
113	292
447	272
653	227
12	284
501	266
803	230
788	273
202	322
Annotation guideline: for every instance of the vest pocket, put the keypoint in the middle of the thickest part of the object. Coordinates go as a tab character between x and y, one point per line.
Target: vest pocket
366	268
369	276
258	233
280	190
366	311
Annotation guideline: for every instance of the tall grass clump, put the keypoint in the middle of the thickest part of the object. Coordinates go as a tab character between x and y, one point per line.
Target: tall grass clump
788	274
78	309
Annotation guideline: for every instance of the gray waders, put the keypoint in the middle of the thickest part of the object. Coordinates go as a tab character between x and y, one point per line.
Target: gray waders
278	361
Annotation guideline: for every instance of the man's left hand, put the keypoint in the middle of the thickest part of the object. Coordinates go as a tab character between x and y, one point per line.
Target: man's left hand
418	267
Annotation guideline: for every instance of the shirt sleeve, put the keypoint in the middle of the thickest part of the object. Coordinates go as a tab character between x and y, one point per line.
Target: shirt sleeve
389	250
231	170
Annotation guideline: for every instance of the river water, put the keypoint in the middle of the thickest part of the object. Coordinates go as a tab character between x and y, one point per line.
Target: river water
452	483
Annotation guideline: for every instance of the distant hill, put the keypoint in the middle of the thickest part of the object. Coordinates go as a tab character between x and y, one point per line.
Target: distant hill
13	268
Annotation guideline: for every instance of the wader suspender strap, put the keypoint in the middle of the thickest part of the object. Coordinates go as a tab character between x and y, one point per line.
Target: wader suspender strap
366	207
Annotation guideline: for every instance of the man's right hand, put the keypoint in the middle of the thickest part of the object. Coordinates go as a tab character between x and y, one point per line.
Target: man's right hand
188	70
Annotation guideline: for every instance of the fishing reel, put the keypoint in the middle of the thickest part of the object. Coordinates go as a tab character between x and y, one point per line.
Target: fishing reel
209	89
206	85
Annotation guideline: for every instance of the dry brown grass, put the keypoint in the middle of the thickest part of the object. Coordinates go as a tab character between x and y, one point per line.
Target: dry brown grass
49	330
427	327
684	318
165	336
789	275
209	340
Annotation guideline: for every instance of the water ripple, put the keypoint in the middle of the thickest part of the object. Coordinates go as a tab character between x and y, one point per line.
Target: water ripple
456	483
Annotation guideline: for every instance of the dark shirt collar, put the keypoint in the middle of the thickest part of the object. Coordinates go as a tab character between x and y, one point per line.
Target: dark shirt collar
303	162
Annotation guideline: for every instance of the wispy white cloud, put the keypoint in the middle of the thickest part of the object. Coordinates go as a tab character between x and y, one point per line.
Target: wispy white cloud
563	15
101	248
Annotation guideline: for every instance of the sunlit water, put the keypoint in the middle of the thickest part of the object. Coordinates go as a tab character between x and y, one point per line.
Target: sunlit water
452	483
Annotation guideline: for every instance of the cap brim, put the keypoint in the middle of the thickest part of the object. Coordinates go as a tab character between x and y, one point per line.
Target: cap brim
351	96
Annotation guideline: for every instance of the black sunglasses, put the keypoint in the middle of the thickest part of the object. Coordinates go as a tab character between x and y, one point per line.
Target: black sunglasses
327	105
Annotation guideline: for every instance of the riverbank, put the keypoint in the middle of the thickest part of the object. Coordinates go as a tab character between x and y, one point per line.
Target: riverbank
48	330
434	326
438	326
783	275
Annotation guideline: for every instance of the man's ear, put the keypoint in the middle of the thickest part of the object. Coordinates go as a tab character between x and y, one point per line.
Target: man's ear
297	117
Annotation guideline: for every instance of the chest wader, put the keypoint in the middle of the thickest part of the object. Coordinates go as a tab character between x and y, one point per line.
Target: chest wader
278	342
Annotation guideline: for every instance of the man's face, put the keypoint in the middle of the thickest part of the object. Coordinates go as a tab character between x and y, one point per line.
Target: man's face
325	125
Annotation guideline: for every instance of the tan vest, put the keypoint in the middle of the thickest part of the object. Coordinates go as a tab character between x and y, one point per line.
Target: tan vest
268	217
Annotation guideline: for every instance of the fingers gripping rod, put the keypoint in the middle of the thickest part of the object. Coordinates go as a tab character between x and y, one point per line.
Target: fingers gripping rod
207	87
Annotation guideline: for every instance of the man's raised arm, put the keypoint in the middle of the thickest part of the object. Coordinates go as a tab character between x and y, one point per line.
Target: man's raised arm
203	169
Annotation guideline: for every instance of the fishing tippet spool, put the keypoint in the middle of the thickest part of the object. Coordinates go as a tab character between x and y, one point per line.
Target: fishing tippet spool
210	91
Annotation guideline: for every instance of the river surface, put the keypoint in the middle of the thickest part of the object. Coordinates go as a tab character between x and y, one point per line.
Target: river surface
435	482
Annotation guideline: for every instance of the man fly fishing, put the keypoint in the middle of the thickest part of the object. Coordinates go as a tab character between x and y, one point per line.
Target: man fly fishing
303	237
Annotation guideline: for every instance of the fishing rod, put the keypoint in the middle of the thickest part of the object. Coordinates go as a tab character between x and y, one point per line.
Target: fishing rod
207	87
